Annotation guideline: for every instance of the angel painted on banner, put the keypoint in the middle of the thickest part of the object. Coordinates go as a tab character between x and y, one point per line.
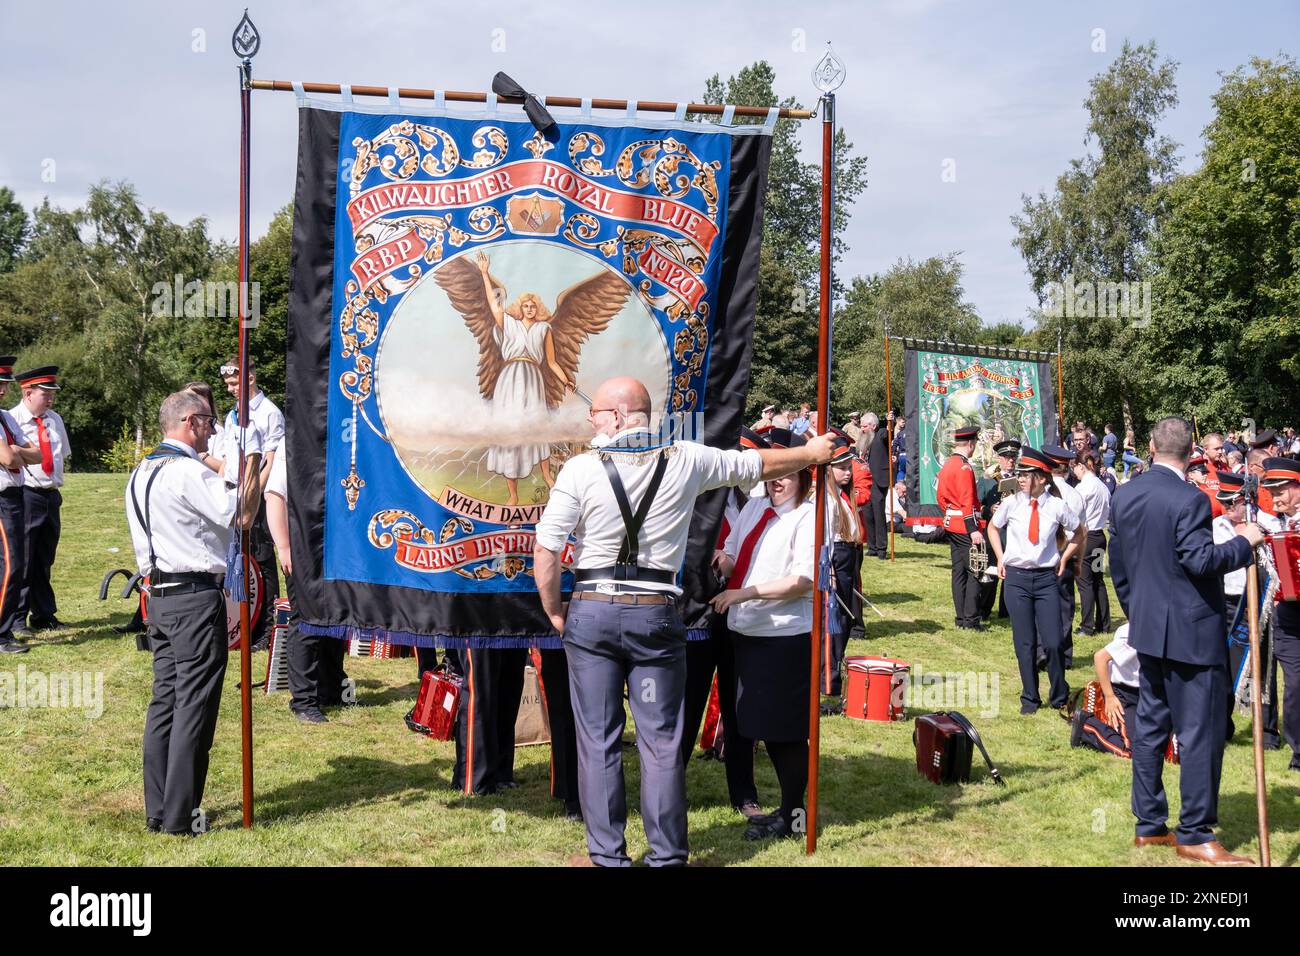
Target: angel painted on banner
528	355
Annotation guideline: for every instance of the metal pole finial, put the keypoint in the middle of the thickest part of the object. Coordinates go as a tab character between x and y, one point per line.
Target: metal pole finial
828	76
246	41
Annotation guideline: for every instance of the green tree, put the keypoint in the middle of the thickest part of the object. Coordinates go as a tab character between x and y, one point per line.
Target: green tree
13	229
786	321
1097	227
115	255
1226	332
919	300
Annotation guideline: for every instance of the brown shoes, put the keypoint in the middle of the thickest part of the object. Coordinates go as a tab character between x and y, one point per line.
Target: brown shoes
1164	839
580	860
1212	853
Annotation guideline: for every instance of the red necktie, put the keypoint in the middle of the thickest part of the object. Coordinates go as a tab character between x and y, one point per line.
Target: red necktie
723	533
1033	521
47	454
737	579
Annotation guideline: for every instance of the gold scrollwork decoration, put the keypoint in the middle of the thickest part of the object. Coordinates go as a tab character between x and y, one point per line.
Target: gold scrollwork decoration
485	158
585	141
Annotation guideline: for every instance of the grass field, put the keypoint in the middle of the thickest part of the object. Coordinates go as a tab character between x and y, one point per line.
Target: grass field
363	790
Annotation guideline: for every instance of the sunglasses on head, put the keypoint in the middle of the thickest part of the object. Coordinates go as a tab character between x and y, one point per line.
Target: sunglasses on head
227	370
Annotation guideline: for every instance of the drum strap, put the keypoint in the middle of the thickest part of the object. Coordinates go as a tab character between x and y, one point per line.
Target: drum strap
974	735
626	569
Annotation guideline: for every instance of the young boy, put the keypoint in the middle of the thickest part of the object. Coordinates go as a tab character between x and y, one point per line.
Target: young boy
1116	665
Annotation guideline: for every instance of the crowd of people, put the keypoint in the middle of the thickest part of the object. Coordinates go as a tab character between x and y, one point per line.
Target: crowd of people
1043	518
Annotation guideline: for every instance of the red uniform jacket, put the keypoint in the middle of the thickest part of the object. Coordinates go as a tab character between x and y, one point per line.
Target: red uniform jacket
956	495
1211	491
861	482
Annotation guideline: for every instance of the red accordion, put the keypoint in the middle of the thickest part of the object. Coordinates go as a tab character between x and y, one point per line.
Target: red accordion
1286	557
370	647
435	709
1094	703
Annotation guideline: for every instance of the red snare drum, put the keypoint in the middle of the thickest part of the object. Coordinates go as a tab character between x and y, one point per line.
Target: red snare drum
874	688
1286	556
253	585
434	713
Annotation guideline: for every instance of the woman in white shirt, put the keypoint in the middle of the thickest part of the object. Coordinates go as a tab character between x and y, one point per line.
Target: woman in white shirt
769	563
1030	563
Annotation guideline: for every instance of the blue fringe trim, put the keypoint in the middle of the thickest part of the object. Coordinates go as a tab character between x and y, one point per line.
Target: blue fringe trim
697	634
347	632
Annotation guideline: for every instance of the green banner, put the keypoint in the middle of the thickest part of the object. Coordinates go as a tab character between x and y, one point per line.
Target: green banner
1003	397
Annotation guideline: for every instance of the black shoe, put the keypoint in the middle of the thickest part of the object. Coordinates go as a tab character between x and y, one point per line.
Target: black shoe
508	785
1028	709
1272	742
13	647
53	624
153	825
22	632
831	709
311	715
777	827
972	627
1076	728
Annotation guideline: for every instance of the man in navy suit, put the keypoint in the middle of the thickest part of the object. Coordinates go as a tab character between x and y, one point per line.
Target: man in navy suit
1168	573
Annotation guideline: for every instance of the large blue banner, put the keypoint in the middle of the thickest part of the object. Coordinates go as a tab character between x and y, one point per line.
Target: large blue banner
484	279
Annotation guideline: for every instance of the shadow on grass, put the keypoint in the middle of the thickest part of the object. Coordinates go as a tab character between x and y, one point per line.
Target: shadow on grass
1238	817
889	628
865	788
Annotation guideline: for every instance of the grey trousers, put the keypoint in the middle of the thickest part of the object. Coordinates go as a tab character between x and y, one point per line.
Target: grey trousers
642	647
187	633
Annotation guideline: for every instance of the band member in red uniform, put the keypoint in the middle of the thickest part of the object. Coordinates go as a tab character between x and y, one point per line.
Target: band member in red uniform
1198	473
956	496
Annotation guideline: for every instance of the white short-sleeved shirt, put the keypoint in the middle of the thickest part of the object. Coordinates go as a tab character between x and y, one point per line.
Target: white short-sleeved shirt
582	503
1123	659
9	479
277	482
251	437
1070	495
190	511
784	550
60	449
268	419
1096	501
1234	582
1014	515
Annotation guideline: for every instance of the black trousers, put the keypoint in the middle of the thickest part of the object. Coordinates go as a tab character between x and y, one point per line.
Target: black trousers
1113	740
485	725
1066	585
1033	601
13	531
1286	640
703	658
315	664
263	551
1239	663
844	562
564	734
42	527
187	633
1094	601
965	586
878	532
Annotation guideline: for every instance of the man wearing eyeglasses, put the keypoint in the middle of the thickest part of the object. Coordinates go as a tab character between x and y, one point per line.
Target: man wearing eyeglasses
181	515
629	504
268	422
15	454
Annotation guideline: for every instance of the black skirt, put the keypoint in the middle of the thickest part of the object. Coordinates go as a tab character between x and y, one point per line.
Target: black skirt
772	684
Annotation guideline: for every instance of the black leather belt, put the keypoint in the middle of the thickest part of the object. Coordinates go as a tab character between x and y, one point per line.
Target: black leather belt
624	573
624	597
184	582
43	491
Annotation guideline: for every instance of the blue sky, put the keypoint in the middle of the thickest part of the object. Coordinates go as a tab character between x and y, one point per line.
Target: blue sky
118	91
